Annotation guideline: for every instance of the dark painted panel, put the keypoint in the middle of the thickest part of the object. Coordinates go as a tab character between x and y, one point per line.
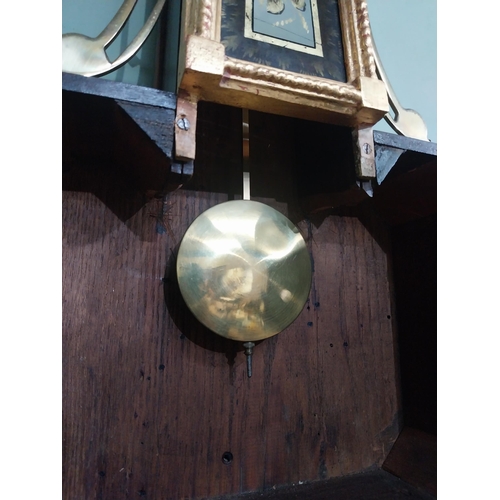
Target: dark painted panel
331	65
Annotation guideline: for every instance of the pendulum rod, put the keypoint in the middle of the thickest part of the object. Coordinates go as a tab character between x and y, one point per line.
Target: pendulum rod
246	155
246	196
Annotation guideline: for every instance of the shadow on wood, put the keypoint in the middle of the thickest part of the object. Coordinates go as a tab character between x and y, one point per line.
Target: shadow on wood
190	328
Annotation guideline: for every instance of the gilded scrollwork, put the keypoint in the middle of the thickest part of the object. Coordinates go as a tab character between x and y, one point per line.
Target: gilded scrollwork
204	27
259	74
365	41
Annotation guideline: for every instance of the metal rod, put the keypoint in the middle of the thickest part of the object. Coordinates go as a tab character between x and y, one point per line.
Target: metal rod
246	155
248	352
246	185
246	196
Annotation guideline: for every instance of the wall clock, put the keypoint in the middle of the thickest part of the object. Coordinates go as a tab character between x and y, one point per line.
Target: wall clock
311	59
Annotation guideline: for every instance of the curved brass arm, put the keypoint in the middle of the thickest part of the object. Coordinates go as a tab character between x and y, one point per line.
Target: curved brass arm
111	31
406	122
86	56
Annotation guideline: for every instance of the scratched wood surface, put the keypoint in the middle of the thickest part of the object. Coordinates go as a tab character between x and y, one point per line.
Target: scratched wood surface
152	400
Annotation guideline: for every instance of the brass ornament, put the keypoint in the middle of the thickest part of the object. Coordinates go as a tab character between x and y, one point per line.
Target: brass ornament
406	121
83	55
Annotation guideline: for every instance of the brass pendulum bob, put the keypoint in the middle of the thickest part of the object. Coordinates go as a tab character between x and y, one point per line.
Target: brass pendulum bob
243	268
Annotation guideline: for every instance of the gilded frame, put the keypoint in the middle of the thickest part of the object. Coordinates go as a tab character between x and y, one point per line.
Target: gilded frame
207	73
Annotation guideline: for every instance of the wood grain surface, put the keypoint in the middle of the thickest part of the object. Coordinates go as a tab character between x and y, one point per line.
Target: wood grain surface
152	400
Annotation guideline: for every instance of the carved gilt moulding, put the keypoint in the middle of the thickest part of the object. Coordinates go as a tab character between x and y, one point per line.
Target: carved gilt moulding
206	72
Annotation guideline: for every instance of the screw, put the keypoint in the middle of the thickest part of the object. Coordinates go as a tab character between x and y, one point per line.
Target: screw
183	123
367	148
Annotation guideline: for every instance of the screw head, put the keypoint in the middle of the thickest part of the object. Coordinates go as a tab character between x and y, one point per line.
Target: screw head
367	148
183	123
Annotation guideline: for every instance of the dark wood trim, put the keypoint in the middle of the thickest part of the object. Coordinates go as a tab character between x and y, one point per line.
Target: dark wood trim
369	485
413	458
118	90
407	143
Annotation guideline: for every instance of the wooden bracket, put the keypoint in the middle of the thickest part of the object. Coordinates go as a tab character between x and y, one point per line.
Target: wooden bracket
364	153
130	129
185	128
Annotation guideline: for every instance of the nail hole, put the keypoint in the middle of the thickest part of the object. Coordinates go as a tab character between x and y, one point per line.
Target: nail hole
161	367
227	457
331	345
388	316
